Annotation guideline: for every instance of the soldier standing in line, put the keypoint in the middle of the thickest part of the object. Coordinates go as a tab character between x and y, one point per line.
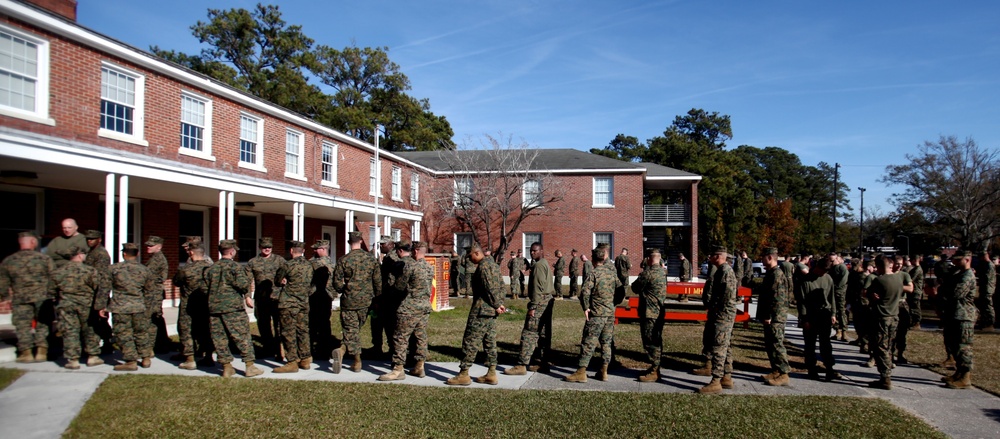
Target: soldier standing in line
721	303
99	258
958	296
78	287
707	334
228	287
885	294
384	307
468	268
156	329
900	268
814	297
622	266
737	263
514	267
839	275
192	316
597	298
913	299
295	277
685	269
131	283
537	331
772	312
28	273
574	270
987	280
263	268
943	269
651	287
358	280
856	281
58	247
320	303
453	281
414	284
588	267
480	328
558	270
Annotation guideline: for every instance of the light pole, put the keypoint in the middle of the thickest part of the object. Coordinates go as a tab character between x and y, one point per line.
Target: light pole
861	234
907	244
836	175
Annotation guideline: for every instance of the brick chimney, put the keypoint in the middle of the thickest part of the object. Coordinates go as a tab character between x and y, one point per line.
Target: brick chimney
66	8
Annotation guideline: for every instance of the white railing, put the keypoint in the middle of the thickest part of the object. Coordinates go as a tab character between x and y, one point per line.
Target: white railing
666	213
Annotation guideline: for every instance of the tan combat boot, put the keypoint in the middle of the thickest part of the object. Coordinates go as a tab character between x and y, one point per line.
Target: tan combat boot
25	357
774	374
490	377
188	363
396	374
837	335
289	367
94	360
462	379
602	375
146	362
714	386
727	381
228	370
946	379
780	380
948	363
580	376
41	355
128	366
418	369
516	370
72	364
252	371
356	367
305	363
962	381
881	383
704	371
652	374
337	359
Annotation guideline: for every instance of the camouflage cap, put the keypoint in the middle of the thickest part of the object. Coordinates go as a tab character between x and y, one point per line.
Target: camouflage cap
476	247
385	239
92	234
154	240
74	250
353	237
130	246
297	244
265	242
962	254
769	251
192	241
719	249
652	251
321	243
27	234
228	244
404	245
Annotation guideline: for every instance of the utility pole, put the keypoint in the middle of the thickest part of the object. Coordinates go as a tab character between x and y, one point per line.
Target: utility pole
861	234
836	177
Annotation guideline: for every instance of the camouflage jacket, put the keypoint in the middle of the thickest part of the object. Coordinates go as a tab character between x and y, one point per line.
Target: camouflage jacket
574	266
191	278
685	270
917	275
158	267
414	283
29	274
99	258
322	278
651	287
773	296
958	295
467	265
487	289
539	284
131	283
559	268
598	292
262	272
78	285
588	268
516	267
358	279
622	266
987	278
60	244
789	269
722	297
390	268
297	274
226	282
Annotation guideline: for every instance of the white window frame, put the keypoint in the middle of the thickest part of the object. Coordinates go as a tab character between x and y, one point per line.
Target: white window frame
456	240
373	235
332	182
374	169
139	110
299	143
536	199
460	191
527	238
258	163
415	188
206	128
611	192
397	183
611	240
41	111
396	234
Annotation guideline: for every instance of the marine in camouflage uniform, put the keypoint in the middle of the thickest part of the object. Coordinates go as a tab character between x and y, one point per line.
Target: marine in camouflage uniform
903	316
193	322
856	281
383	312
468	268
574	270
160	269
228	284
516	268
558	271
772	312
414	284
263	268
480	328
913	299
987	280
131	283
885	294
651	287
622	266
537	331
597	298
358	280
321	301
815	301
28	273
79	286
958	295
685	269
99	258
58	247
721	303
293	306
839	275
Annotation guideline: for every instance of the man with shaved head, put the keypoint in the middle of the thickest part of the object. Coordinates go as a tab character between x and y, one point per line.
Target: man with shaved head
58	248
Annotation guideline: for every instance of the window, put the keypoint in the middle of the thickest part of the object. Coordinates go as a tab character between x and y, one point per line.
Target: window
329	160
27	216
397	183
531	193
373	235
415	188
604	238
251	151
294	159
463	192
604	191
463	240
121	104
24	76
191	223
247	236
196	132
373	177
527	240
396	234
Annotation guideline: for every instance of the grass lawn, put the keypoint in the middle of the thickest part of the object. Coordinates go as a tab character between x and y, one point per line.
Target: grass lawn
8	376
170	406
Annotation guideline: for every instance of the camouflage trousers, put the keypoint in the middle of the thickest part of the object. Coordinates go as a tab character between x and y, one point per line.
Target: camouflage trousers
351	320
480	332
265	309
652	332
154	312
78	323
902	329
840	303
881	343
574	286
231	326
774	344
131	334
958	342
986	312
861	320
557	286
383	322
913	303
22	316
193	326
597	329
320	324
295	333
537	332
722	337
516	285
818	331
407	325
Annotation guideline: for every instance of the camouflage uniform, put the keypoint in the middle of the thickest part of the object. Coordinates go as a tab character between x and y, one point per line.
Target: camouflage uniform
987	281
622	266
385	305
29	274
721	303
651	287
558	270
58	247
574	271
160	270
814	297
839	275
913	299
99	258
265	308
773	305
685	270
293	306
516	268
480	328
414	284
227	284
902	319
598	295
193	323
321	306
856	281
78	287
885	311
358	280
537	329
468	268
131	283
957	294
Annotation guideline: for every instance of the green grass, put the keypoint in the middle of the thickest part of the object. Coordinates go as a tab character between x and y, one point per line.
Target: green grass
8	376
170	406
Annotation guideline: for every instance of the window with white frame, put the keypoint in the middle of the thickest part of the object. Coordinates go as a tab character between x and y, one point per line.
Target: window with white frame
196	121
604	238
463	192
397	183
373	235
604	191
415	188
24	74
251	152
373	177
463	240
122	99
329	160
396	234
531	193
527	239
294	159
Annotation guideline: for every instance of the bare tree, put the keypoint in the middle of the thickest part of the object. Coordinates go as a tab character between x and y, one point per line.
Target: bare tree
956	186
497	185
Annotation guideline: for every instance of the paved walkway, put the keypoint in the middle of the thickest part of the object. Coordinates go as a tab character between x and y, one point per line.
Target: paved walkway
958	413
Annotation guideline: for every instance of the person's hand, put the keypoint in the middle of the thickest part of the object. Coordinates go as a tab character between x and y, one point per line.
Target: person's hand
531	313
249	302
833	320
767	321
502	309
284	281
587	313
103	313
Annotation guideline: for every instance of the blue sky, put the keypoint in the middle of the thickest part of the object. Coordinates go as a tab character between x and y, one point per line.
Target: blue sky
859	83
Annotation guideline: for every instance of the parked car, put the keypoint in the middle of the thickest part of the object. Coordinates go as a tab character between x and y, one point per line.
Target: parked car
758	269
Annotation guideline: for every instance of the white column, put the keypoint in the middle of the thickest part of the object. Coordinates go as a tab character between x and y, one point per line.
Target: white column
416	230
387	225
348	228
122	212
295	221
230	214
222	215
109	217
302	222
